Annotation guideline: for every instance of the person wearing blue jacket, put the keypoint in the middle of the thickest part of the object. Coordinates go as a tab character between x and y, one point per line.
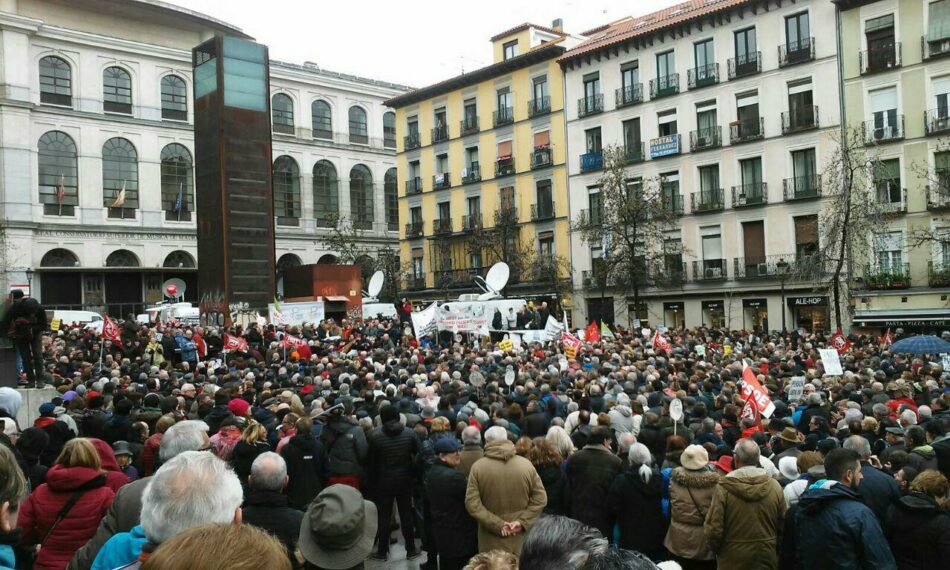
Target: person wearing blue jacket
835	529
188	348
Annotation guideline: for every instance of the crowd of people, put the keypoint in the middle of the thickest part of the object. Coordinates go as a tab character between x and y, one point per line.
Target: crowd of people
313	446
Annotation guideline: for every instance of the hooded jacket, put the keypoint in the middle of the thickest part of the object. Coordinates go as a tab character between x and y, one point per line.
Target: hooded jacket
41	508
306	469
836	530
391	458
745	519
346	446
555	485
918	532
243	456
590	473
637	506
691	493
622	420
922	458
115	478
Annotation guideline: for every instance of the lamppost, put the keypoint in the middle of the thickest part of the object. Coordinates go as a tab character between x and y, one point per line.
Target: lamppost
782	266
29	280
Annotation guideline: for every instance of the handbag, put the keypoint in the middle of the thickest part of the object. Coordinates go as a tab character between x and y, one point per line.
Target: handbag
62	513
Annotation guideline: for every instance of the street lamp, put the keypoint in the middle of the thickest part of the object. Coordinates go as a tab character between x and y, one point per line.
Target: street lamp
29	279
782	266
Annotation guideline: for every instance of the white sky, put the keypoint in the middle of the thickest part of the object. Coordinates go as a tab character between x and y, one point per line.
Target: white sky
412	42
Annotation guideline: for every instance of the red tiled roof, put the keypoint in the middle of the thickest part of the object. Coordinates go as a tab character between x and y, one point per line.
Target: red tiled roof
628	28
525	26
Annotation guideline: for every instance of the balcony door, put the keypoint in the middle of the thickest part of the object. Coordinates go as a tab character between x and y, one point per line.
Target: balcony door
884	113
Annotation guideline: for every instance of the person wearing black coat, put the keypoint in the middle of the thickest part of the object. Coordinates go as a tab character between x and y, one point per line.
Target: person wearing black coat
306	465
218	413
244	454
24	323
456	532
547	462
917	529
635	501
267	508
590	473
536	423
31	444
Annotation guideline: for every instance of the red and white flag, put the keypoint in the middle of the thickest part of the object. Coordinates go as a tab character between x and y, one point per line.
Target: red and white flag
592	332
291	341
235	343
751	388
110	330
887	339
840	342
660	342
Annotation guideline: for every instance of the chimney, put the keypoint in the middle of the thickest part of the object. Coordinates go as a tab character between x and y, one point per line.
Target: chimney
558	24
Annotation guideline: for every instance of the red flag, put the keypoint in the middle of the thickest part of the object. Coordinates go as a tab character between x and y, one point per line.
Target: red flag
752	388
110	330
201	345
571	345
60	190
660	343
235	343
592	332
840	342
887	339
290	341
751	410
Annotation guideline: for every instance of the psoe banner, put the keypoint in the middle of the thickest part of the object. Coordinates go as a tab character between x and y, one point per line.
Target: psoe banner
296	313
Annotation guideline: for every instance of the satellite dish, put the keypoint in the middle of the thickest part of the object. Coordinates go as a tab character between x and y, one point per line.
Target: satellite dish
510	376
477	379
495	281
375	284
174	288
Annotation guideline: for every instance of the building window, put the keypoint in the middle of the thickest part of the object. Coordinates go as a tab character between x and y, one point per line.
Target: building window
707	121
58	174
321	120
889	252
391	195
174	98
594	205
545	197
505	113
546	246
745	47
361	196
510	49
666	123
882	52
938	27
286	191
56	81
806	238
282	111
389	129
326	194
359	131
713	264
120	178
593	140
885	122
116	91
887	184
797	34
177	182
705	61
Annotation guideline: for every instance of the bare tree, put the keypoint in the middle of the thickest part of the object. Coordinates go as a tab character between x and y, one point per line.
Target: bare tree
502	242
349	243
630	226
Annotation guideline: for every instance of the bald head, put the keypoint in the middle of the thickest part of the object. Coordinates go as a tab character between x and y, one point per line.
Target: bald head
471	436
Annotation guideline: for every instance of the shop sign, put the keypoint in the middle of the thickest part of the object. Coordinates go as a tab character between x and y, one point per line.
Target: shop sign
665	146
713	305
755	303
807	301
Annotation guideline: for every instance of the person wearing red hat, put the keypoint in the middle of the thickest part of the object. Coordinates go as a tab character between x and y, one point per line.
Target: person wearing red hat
239	408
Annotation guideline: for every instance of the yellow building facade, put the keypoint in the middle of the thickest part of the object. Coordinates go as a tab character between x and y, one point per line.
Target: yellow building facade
482	178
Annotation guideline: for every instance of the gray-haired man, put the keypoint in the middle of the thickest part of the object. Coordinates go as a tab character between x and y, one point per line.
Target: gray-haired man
266	506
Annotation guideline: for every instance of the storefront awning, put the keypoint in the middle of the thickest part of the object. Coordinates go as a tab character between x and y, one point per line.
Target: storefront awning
905	318
336	298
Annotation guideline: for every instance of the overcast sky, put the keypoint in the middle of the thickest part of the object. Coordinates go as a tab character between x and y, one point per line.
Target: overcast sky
412	42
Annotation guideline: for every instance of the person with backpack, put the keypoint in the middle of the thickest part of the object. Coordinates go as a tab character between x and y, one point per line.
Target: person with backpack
24	324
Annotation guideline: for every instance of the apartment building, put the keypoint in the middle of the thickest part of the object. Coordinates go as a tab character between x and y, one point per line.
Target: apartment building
481	158
729	106
96	145
896	82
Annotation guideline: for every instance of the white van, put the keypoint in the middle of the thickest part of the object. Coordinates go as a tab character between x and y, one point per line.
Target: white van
91	319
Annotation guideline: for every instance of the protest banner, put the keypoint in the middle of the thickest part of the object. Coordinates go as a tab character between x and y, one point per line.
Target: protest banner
425	322
572	345
296	313
752	387
796	388
831	361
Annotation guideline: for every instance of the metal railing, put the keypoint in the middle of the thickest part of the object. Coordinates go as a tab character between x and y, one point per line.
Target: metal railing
881	58
767	267
800	120
937	121
702	76
670	274
877	135
592	161
590	105
747	130
473	173
416	283
745	65
440	134
934	49
634	153
892	207
703	139
710	200
802	187
938	274
440	181
542	211
541	157
938	197
672	203
752	194
590	217
414	229
796	52
592	278
411	141
629	95
665	86
413	186
442	226
505	167
471	222
710	270
539	106
468	125
887	276
503	116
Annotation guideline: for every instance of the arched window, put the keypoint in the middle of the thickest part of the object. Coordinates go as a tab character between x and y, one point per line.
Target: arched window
120	178
287	261
359	132
326	194
322	120
174	98
177	182
116	91
59	257
179	259
282	110
327	259
391	197
286	191
56	81
58	174
361	197
122	258
389	129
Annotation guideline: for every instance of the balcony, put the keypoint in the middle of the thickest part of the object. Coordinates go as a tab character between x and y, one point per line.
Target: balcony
411	141
590	105
937	121
442	226
938	198
802	187
413	186
414	229
416	283
705	139
593	279
745	65
710	270
881	58
885	276
629	95
503	116
471	174
670	274
879	134
796	52
672	202
441	181
440	134
592	161
753	194
591	217
542	211
468	126
667	145
539	106
634	153
471	222
704	201
504	166
803	119
541	157
769	267
458	278
938	274
932	49
891	199
702	76
665	86
506	216
746	130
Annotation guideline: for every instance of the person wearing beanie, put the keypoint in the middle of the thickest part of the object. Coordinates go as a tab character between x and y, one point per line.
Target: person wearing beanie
32	444
57	432
692	486
239	408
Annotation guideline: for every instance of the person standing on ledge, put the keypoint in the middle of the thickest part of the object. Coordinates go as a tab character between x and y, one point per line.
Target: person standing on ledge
24	324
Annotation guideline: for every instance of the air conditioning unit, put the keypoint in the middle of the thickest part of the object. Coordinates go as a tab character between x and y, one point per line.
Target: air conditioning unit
762	268
702	141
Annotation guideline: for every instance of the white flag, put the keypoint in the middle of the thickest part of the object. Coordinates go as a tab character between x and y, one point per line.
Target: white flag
425	322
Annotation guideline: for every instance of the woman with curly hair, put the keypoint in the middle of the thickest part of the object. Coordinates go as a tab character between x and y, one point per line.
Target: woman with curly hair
547	462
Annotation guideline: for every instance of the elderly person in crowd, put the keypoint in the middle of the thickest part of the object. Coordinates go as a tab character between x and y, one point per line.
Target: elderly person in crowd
265	504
